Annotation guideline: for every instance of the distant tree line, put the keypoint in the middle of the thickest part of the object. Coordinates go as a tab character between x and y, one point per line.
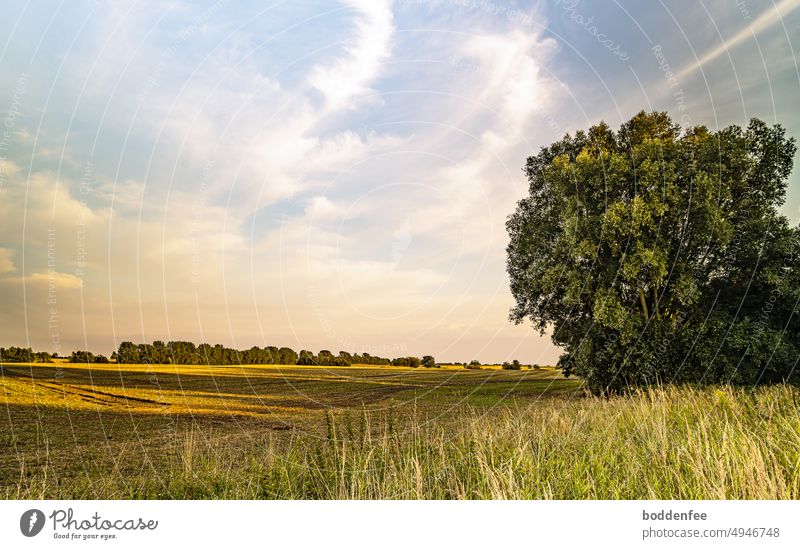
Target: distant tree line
87	358
26	354
513	365
23	354
186	352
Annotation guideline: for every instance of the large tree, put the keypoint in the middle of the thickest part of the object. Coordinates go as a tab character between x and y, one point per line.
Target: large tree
655	255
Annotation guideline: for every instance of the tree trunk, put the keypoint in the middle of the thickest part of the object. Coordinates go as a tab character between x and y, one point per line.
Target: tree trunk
643	301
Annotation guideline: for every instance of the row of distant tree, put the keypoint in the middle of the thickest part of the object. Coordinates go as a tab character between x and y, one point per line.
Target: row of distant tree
23	354
513	365
186	352
26	354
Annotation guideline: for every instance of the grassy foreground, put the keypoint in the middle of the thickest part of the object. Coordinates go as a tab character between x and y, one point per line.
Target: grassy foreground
680	443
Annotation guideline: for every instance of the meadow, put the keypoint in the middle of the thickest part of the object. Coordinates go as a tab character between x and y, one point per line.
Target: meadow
165	431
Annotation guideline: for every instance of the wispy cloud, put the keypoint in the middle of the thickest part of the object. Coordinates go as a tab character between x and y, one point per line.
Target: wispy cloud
366	51
326	178
6	261
52	279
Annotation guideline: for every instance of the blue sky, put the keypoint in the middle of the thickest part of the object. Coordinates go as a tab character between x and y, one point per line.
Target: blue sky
326	174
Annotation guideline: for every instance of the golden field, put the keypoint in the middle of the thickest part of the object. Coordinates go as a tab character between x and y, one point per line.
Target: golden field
164	431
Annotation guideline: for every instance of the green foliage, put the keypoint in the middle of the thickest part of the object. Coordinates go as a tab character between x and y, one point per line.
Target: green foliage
86	357
185	352
82	357
127	353
656	255
428	361
306	358
366	358
408	361
512	365
23	354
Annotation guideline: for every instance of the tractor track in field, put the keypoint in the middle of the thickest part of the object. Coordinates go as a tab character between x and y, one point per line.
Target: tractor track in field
92	396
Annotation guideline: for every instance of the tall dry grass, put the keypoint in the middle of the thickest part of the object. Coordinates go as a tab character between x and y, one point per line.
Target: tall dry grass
668	443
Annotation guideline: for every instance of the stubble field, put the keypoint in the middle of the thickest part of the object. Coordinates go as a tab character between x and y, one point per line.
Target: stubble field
164	431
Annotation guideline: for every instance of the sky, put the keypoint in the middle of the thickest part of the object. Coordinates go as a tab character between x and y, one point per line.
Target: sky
327	175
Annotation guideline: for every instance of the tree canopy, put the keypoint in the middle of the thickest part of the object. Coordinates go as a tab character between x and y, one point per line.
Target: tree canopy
655	255
23	354
186	352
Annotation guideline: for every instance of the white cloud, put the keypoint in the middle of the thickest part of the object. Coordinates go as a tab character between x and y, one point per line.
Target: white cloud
322	207
7	169
386	221
264	138
351	76
6	261
480	188
52	279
